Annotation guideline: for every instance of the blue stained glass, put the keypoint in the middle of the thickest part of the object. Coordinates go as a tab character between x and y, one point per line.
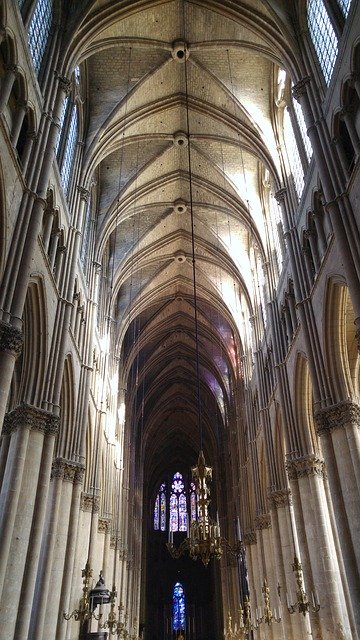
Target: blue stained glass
174	513
156	513
178	607
182	513
163	511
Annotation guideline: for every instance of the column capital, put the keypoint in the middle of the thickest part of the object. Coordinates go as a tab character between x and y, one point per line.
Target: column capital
280	195
64	83
337	416
263	521
104	525
310	465
11	339
300	88
29	417
249	537
67	470
279	498
89	502
84	193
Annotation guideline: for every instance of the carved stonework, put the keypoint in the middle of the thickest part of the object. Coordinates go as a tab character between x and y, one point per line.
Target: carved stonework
279	499
263	521
249	537
89	502
11	339
306	466
28	417
280	195
337	416
300	88
104	525
66	470
79	474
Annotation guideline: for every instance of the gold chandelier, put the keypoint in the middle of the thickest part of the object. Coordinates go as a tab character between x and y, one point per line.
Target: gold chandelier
204	539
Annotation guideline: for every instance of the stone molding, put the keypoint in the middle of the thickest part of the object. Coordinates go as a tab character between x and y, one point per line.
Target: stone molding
263	521
67	470
249	537
11	339
26	416
104	525
337	416
305	466
279	499
89	502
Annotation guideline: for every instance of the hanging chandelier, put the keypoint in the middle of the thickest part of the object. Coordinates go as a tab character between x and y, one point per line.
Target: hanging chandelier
204	539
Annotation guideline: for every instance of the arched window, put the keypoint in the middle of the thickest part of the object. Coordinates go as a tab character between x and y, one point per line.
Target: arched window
39	30
293	154
160	510
178	510
178	608
176	504
323	36
302	128
69	150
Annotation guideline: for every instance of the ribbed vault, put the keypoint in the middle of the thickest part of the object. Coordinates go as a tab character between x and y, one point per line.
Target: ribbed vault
179	89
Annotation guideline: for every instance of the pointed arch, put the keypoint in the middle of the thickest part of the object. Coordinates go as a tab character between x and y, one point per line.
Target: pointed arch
65	441
308	440
33	358
341	351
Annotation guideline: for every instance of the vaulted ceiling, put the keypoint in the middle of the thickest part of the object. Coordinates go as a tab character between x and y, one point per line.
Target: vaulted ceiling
180	110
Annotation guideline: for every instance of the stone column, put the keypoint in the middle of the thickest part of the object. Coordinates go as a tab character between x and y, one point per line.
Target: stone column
23	507
338	428
317	547
11	343
20	113
294	626
11	71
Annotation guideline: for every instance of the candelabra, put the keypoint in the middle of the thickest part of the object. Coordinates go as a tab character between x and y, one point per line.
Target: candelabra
302	605
245	627
90	598
268	616
114	625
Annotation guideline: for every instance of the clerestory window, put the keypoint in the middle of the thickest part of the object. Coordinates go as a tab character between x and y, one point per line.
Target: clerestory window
323	37
39	31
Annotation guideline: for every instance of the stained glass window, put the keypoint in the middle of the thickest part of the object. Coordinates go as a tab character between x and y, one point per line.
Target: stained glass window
344	6
69	151
160	510
178	607
303	130
293	154
39	30
157	513
178	506
323	36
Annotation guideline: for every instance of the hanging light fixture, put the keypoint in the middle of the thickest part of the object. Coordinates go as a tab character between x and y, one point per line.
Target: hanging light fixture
302	604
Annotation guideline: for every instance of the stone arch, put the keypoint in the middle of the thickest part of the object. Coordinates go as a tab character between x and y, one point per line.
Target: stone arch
3	214
341	350
280	448
32	361
65	442
304	411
